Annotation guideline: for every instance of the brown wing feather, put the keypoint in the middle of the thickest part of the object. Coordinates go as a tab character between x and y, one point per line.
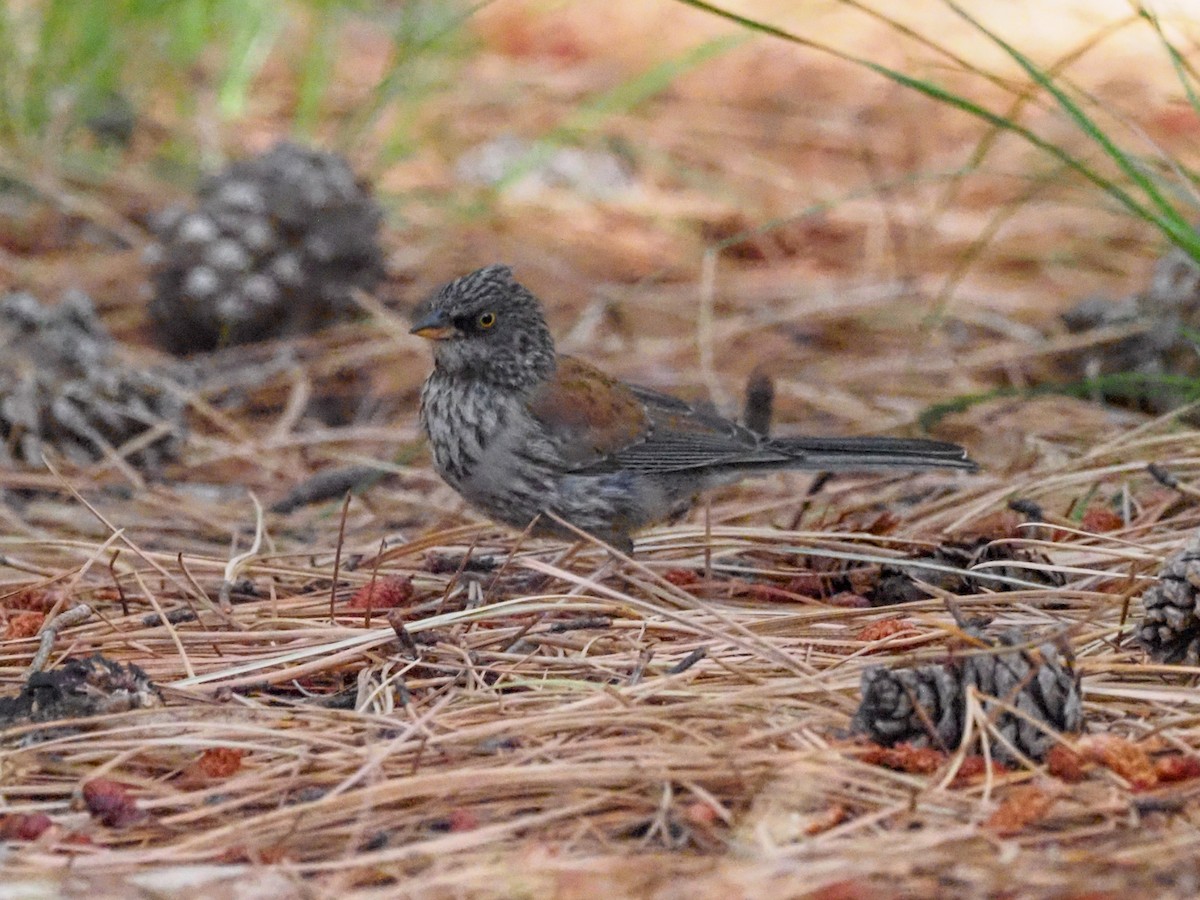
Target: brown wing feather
684	437
600	424
588	414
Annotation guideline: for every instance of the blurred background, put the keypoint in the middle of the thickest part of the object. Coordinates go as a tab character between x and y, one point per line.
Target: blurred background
967	219
887	208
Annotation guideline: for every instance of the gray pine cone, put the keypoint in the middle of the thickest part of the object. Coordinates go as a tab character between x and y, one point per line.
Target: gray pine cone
926	705
276	247
1170	626
1169	312
898	583
95	686
62	384
922	706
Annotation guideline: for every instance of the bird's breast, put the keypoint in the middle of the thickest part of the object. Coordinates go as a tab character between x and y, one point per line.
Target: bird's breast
462	419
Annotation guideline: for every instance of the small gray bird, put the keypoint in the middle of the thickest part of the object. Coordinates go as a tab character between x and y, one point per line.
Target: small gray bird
518	430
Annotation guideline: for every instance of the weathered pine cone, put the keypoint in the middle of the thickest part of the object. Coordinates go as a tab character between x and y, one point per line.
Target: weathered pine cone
1168	311
926	706
78	688
62	384
276	247
922	705
1170	626
898	584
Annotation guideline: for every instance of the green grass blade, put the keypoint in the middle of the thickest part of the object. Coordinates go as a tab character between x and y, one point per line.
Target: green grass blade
1160	213
1126	385
1169	219
316	70
254	33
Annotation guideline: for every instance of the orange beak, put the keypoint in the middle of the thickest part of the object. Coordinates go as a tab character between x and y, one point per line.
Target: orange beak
434	327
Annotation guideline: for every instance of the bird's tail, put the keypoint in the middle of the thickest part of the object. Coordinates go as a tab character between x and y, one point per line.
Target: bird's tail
841	453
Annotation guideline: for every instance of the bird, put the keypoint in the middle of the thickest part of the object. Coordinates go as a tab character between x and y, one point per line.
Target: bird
535	439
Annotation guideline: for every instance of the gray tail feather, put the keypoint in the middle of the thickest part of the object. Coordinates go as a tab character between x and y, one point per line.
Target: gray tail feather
837	453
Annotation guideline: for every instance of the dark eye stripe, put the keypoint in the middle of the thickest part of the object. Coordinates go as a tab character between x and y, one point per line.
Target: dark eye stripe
474	323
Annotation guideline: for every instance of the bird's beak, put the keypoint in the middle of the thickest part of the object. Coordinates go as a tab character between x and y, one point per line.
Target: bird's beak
434	327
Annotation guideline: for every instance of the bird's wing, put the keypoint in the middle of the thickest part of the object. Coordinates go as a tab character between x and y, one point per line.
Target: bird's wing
601	424
684	436
586	414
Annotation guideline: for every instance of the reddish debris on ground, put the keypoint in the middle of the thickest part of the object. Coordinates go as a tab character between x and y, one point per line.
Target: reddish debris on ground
462	819
681	577
23	625
849	600
384	593
1099	519
111	804
878	522
998	525
884	628
701	814
848	889
822	822
1122	756
267	856
1066	764
1022	806
35	599
975	768
214	764
904	758
807	586
23	826
1176	767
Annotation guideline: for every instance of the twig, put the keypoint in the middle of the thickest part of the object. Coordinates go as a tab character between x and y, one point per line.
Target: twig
68	618
337	561
234	566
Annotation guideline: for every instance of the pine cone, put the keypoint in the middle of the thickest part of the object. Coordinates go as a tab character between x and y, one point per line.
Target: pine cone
1168	311
1170	627
922	706
62	384
898	584
276	247
926	706
1039	681
94	686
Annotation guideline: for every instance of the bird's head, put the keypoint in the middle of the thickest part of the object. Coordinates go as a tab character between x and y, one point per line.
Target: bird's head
487	325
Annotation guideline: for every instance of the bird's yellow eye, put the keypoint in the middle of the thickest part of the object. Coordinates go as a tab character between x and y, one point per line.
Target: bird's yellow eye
486	320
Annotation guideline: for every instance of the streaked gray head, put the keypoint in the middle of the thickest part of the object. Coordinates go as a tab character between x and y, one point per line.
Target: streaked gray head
487	325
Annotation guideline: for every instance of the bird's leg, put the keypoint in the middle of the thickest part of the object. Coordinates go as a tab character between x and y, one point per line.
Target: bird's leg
620	542
617	537
818	483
